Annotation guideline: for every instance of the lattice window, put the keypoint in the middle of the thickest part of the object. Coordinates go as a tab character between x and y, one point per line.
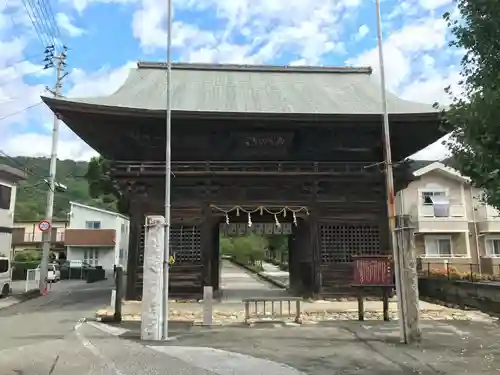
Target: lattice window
340	242
185	243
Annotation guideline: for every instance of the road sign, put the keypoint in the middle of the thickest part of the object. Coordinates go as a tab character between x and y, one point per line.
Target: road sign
172	259
44	225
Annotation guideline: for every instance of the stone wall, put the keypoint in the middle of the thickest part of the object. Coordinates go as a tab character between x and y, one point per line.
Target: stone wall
484	296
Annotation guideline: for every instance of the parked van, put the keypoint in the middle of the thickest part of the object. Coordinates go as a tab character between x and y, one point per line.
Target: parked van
53	272
5	277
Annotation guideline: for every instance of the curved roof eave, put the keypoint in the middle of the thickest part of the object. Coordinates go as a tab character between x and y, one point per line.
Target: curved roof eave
68	105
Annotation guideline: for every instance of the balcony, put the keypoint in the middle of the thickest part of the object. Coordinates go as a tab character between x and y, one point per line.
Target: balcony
488	219
128	169
20	237
90	237
426	221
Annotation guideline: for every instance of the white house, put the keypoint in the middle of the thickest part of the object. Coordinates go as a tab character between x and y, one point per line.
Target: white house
452	223
97	237
8	178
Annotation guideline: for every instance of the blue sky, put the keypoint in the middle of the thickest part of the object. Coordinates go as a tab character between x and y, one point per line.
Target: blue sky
106	37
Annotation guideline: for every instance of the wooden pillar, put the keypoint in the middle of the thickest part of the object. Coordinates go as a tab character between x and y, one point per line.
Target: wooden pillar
314	246
136	223
206	245
215	255
295	245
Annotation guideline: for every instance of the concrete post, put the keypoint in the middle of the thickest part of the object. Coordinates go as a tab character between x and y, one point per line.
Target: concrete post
151	309
207	305
409	261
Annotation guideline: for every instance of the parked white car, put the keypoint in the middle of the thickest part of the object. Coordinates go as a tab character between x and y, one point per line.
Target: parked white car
54	274
5	277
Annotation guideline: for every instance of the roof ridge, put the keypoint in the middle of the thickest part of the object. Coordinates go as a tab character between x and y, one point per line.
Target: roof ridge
255	68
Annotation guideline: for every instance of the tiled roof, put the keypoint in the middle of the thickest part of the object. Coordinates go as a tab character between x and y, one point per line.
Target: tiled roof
252	89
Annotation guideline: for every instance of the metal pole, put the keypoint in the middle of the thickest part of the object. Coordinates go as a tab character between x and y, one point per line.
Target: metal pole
389	180
168	167
49	210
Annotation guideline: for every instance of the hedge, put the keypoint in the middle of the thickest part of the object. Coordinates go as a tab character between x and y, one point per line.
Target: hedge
19	269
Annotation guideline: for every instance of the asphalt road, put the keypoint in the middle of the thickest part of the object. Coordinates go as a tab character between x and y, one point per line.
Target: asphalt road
49	336
354	348
53	316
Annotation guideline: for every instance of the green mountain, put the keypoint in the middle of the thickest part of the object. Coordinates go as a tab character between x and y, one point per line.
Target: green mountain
32	193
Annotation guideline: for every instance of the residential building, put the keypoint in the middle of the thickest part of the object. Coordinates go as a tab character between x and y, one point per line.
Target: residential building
27	236
9	177
452	223
97	237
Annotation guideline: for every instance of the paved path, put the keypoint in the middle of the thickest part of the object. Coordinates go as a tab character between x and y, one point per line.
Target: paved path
274	272
237	283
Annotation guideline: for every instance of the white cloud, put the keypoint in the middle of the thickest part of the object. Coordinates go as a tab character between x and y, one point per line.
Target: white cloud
269	29
408	51
434	4
251	31
102	82
81	5
35	144
82	84
65	23
362	32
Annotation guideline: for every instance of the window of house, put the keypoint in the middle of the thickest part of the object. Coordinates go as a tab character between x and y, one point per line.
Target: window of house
482	197
91	257
436	246
93	224
5	194
427	196
493	247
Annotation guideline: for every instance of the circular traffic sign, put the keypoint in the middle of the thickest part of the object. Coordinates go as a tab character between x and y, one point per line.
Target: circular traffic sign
44	225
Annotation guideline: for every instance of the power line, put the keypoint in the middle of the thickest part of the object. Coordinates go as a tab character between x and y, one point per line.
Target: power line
11	79
26	59
18	164
20	111
43	20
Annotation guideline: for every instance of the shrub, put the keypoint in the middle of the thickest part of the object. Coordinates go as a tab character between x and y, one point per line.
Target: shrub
19	269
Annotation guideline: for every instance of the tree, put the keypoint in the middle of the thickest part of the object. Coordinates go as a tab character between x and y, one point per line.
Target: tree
278	247
473	117
32	193
102	186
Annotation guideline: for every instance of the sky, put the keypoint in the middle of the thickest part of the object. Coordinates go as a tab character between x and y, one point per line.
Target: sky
105	38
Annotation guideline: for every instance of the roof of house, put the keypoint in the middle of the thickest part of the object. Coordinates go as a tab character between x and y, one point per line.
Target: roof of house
415	165
440	167
98	210
218	88
12	174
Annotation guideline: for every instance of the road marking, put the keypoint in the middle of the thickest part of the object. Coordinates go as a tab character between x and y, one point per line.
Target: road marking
223	362
92	348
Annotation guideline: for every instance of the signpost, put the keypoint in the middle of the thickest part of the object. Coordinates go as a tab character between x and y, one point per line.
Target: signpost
44	226
373	272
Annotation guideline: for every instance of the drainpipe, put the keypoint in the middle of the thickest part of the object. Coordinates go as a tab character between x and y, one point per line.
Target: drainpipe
476	236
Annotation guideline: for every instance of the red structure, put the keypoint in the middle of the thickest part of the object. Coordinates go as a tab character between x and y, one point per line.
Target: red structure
373	271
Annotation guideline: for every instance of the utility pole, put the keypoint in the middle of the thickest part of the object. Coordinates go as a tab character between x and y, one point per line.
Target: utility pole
49	210
168	171
402	283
